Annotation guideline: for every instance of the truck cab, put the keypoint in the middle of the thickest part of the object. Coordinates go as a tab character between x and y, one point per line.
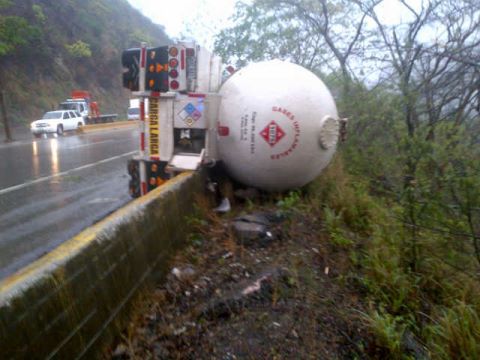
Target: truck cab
78	105
133	112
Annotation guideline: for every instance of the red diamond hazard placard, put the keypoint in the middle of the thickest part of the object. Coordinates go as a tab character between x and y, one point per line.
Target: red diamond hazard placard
272	133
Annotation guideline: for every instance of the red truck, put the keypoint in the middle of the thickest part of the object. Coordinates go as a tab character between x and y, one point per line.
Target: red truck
81	101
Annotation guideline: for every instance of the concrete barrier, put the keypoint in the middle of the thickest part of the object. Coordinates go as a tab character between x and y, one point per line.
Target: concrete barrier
72	300
108	126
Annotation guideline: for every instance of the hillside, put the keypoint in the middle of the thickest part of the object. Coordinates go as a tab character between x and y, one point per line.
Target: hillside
49	47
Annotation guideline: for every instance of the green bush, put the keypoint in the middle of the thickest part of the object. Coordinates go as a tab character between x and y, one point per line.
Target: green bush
79	49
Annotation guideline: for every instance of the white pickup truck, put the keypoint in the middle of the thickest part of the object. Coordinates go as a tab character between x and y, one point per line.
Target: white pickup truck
57	122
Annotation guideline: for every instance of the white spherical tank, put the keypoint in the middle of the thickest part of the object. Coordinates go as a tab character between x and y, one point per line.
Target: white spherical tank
278	125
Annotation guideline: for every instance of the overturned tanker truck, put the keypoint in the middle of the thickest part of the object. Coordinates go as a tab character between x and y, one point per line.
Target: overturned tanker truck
273	125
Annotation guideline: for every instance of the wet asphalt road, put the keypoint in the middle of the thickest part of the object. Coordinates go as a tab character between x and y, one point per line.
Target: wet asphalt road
51	189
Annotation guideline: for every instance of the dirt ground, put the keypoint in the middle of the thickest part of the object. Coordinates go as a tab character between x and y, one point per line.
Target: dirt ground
269	285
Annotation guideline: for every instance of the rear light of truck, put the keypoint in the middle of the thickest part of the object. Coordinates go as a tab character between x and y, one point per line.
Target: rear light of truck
174	85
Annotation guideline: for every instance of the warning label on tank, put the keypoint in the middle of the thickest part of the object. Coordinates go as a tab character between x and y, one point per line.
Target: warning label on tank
190	114
272	133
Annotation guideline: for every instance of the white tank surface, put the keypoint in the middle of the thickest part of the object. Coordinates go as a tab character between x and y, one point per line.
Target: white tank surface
278	125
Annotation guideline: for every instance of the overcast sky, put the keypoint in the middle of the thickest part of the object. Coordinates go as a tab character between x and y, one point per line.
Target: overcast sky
204	18
184	17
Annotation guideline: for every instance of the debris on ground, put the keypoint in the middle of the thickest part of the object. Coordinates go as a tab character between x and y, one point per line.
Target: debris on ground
260	285
224	206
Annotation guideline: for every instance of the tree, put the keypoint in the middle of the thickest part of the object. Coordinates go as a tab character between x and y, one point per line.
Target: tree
314	34
436	75
79	49
431	58
15	31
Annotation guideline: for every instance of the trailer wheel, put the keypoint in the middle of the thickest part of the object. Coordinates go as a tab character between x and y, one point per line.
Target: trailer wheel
60	129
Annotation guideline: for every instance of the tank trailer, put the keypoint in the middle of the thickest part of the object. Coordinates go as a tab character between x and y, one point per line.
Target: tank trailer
273	125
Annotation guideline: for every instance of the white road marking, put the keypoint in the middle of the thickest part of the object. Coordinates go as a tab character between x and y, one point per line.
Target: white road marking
68	172
102	200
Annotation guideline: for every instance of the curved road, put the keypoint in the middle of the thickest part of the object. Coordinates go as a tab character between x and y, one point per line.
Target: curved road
51	189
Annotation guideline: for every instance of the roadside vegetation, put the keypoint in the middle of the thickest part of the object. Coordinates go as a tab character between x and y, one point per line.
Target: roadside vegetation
50	47
403	194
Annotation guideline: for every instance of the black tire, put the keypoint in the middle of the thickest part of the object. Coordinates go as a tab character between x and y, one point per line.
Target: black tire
38	136
79	125
60	129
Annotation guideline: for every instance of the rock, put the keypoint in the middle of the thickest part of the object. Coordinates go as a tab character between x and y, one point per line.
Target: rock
247	233
179	331
273	217
256	218
183	274
253	229
159	352
412	346
120	351
227	255
260	288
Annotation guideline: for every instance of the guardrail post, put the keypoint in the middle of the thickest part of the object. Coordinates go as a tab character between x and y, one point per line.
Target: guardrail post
141	84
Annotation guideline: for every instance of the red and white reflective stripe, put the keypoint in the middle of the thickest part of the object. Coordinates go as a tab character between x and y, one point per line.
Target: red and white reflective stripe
142	70
142	142
196	95
141	87
142	127
142	168
143	177
182	59
143	56
142	109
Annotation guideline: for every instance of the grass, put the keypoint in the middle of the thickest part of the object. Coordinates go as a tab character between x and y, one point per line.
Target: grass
456	333
439	302
388	332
